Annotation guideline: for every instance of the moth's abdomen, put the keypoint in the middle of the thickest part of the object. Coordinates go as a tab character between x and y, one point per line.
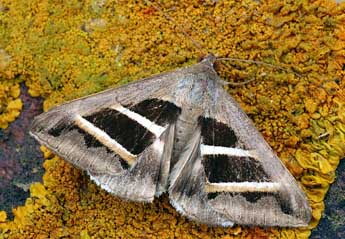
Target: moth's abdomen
186	125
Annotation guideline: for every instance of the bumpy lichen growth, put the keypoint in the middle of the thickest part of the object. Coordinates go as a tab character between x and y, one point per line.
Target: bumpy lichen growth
63	50
10	103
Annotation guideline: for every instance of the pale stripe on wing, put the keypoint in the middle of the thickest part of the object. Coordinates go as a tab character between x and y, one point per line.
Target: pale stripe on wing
220	150
242	187
157	130
105	139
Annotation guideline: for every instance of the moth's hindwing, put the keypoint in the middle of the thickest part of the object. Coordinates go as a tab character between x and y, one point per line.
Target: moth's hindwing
181	132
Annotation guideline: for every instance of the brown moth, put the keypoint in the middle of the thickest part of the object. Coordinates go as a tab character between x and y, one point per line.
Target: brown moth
181	133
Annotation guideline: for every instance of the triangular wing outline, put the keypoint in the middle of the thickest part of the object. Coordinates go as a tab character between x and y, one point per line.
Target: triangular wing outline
189	185
274	200
63	128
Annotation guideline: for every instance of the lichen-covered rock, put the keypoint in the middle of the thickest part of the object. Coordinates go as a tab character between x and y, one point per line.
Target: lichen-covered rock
67	49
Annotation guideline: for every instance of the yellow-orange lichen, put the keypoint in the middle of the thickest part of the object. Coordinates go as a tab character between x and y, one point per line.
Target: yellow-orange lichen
63	50
10	103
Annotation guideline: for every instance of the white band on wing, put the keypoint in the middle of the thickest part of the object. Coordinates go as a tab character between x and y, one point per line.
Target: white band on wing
216	150
242	187
157	130
105	139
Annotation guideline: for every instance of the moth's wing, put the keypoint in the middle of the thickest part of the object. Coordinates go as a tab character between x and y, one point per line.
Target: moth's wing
143	180
248	182
122	137
228	173
187	182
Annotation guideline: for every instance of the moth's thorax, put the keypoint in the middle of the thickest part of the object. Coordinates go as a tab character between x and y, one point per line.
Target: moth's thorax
195	91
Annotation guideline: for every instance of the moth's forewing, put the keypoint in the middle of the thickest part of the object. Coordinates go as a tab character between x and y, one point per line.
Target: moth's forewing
233	174
120	152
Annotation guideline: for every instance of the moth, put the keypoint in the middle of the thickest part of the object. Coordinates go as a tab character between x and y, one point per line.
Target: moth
181	133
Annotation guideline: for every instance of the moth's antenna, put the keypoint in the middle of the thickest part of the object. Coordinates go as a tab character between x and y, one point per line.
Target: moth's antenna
180	28
223	82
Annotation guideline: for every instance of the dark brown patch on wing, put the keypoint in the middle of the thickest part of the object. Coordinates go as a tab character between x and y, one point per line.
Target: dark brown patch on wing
61	127
127	132
130	134
216	133
90	141
159	111
253	197
224	168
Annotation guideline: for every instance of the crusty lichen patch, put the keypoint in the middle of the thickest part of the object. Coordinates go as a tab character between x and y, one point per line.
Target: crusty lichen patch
10	103
64	50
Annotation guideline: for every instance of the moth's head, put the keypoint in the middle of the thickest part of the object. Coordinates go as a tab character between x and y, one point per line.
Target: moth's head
214	64
209	58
